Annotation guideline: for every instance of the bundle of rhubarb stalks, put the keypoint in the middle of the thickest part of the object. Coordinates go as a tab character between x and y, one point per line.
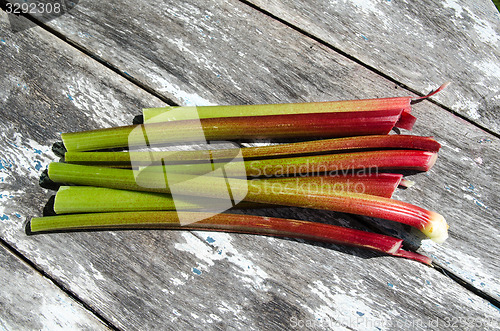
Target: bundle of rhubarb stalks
342	158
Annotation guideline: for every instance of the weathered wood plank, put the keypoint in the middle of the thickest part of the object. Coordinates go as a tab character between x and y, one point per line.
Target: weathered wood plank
462	186
143	278
418	43
295	68
28	301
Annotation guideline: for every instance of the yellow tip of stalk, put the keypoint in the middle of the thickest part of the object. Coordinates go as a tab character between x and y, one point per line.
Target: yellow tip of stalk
432	161
437	230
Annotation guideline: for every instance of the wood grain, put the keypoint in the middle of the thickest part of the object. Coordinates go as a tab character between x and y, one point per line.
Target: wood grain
417	43
265	63
31	302
151	279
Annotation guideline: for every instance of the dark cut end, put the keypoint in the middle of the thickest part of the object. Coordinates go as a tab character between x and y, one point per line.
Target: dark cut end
48	210
59	149
139	119
48	183
27	228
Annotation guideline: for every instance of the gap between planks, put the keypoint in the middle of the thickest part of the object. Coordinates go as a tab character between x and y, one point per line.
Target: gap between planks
440	268
100	60
59	285
152	91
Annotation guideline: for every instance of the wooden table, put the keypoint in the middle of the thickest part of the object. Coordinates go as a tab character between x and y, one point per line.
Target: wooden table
101	62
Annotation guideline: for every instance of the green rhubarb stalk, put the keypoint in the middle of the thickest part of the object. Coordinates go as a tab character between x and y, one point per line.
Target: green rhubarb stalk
294	149
228	223
430	223
89	199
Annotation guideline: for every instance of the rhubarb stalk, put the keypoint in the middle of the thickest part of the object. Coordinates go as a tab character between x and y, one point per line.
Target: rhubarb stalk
358	163
314	125
89	199
152	115
228	223
430	223
294	149
334	164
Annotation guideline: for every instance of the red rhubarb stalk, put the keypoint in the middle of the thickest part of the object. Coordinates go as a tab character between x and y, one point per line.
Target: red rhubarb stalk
326	125
362	163
382	185
228	223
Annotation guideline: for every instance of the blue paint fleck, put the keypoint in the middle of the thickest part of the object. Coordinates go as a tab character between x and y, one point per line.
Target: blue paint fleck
497	308
4	165
428	282
210	240
4	217
69	96
18	215
483	284
390	285
479	203
126	73
360	313
37	151
447	188
197	271
3	40
38	165
365	38
220	252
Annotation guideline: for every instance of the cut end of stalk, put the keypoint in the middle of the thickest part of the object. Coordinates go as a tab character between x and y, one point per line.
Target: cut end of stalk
67	143
406	183
59	149
432	161
437	228
48	210
46	182
139	119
